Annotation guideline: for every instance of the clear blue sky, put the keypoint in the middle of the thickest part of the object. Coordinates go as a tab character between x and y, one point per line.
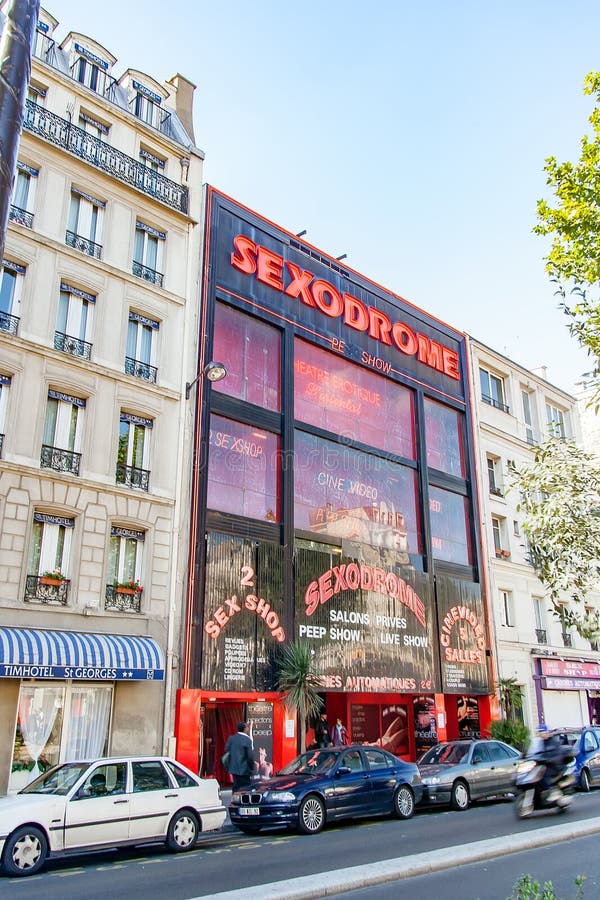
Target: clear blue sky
411	136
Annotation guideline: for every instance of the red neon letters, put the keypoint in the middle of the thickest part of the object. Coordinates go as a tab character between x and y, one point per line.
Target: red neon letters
270	269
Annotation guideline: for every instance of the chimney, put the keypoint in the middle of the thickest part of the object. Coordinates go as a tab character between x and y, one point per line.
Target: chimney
184	97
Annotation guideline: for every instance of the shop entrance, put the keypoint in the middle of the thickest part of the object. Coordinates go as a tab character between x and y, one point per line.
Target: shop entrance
217	722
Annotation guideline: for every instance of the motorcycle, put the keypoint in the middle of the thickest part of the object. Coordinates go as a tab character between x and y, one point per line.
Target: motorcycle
532	793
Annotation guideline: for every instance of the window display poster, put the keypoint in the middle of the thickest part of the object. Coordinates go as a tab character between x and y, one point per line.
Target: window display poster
364	723
425	727
259	716
462	636
380	724
467	709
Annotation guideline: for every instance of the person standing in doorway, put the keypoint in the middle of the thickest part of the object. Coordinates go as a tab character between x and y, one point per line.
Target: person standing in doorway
241	756
339	734
322	731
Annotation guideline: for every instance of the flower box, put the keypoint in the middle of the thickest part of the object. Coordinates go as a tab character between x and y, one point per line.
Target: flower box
55	582
126	590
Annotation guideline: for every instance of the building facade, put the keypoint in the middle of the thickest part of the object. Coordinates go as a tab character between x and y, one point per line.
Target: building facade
98	335
558	671
333	504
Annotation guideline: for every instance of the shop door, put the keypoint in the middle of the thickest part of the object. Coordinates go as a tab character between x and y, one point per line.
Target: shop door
220	720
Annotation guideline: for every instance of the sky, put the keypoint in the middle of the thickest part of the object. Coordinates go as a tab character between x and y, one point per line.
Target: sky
410	136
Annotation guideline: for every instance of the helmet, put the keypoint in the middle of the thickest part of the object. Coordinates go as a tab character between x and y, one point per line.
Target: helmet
542	728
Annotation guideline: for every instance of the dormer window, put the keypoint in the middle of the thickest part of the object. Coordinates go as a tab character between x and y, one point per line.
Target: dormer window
89	69
146	104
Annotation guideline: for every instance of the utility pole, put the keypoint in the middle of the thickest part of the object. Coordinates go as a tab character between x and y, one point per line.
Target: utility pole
15	68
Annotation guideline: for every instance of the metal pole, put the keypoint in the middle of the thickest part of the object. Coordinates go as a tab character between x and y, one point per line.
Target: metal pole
15	68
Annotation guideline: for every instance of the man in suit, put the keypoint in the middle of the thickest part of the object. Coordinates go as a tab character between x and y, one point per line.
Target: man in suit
241	756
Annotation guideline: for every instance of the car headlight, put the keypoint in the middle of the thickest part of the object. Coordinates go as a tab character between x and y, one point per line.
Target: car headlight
525	766
236	797
279	796
431	779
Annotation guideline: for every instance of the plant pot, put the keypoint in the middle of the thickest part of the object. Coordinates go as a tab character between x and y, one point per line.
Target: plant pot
55	582
125	590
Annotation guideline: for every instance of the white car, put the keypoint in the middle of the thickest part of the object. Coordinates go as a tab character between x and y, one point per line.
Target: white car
106	803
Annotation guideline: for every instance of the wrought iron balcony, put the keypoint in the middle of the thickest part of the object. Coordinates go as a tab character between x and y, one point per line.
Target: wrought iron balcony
74	346
62	133
122	599
85	245
60	460
147	273
541	636
496	491
9	323
45	590
495	403
140	369
20	216
1	443
132	476
567	639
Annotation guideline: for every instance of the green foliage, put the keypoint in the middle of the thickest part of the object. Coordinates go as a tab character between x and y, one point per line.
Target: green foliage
573	222
511	696
511	731
527	888
560	500
300	682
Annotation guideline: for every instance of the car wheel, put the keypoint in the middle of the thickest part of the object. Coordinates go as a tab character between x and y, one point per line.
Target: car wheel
459	797
584	781
311	817
183	831
249	829
404	802
25	851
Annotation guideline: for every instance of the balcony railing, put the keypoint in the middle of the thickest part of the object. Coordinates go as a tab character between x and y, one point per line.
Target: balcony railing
495	403
567	639
92	150
60	460
83	244
147	273
496	491
1	443
20	216
122	600
74	346
140	369
132	476
44	590
541	636
9	323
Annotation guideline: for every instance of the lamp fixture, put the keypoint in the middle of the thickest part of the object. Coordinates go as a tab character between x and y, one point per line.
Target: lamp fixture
343	256
184	162
212	371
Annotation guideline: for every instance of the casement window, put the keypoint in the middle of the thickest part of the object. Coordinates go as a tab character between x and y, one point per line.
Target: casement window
74	321
36	93
506	609
145	104
494	468
148	253
63	427
134	451
151	161
539	618
499	535
84	231
526	398
11	287
23	198
89	69
555	419
140	354
93	126
5	381
42	43
492	389
50	546
125	555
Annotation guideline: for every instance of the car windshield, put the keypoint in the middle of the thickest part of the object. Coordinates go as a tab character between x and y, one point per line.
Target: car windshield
448	754
58	780
315	763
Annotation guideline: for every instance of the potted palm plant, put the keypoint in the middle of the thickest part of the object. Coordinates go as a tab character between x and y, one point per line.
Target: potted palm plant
300	682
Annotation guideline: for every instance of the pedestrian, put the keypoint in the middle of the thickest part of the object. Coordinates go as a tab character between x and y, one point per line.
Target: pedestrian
322	731
241	756
339	734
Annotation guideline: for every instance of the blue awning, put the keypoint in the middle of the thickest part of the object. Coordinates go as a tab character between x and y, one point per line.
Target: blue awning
40	653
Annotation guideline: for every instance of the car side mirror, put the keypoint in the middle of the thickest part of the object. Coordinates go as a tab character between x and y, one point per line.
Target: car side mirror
344	770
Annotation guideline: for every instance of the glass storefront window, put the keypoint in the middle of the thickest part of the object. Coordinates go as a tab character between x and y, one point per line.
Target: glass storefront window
251	352
444	438
449	517
243	470
341	397
343	493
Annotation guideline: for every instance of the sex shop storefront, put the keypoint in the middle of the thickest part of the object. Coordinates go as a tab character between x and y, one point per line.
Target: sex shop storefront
333	503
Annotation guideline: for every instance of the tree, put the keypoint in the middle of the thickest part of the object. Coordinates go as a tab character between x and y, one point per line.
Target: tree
300	682
573	222
560	499
510	727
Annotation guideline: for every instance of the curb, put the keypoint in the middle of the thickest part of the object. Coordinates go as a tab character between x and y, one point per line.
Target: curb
324	884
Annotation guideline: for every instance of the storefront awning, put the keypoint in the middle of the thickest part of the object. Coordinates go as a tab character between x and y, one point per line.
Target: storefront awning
37	653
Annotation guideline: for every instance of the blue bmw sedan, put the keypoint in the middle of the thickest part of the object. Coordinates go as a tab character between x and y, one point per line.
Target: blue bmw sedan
323	786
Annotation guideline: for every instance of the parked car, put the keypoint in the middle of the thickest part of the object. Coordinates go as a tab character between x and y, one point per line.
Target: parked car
104	804
326	785
457	772
585	743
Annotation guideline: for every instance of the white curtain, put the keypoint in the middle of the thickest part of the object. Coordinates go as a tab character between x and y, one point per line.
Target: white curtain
38	708
88	722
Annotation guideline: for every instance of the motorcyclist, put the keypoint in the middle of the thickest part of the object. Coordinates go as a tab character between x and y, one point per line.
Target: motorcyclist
553	753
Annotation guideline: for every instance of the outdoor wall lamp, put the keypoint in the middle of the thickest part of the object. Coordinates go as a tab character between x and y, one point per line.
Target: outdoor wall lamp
212	371
185	168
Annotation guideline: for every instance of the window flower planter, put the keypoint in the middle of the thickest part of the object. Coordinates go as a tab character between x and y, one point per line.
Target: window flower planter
125	590
55	582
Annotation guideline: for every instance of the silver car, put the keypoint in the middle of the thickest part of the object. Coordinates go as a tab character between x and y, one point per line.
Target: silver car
457	772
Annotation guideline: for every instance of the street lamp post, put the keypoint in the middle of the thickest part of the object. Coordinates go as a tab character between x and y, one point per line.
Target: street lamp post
15	68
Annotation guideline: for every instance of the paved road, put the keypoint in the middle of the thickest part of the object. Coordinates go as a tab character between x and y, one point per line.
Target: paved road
232	861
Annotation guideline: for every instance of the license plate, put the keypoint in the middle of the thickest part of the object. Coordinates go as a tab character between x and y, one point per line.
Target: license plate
249	811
